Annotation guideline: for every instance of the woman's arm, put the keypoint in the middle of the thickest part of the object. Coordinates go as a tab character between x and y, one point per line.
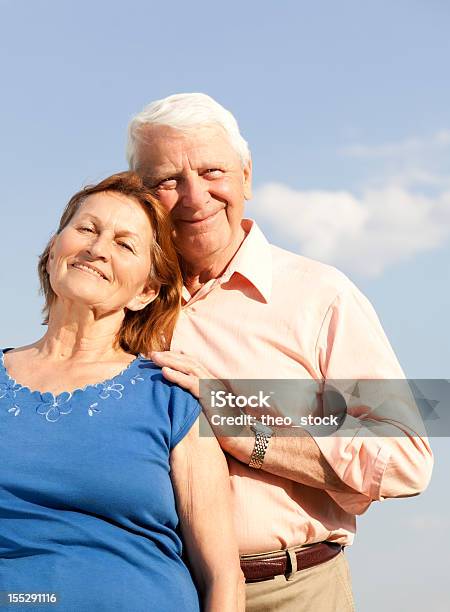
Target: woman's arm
202	489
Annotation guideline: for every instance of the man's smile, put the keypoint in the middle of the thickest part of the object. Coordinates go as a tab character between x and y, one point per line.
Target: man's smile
206	218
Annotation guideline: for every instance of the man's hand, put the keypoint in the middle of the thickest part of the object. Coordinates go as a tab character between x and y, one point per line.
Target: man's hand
297	459
185	371
181	370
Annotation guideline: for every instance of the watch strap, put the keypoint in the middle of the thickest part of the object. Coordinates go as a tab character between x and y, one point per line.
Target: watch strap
259	450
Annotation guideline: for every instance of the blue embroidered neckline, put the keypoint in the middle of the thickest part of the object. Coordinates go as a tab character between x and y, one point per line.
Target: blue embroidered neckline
54	406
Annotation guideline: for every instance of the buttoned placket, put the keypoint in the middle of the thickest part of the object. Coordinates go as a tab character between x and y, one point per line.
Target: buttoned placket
204	291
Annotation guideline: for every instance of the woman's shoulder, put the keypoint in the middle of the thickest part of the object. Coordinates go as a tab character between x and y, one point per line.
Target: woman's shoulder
16	350
148	370
164	398
16	355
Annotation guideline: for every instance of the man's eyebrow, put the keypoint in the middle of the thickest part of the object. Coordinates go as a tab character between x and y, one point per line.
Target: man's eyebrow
153	177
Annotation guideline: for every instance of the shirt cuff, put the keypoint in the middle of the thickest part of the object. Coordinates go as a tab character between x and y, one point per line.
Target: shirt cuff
360	461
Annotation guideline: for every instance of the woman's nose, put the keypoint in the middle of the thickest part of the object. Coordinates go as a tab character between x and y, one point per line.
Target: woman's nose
100	248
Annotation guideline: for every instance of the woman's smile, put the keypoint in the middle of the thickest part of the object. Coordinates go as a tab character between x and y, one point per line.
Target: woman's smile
89	269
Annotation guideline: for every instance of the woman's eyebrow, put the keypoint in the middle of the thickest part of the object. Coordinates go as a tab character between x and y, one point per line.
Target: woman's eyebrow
120	232
83	216
128	233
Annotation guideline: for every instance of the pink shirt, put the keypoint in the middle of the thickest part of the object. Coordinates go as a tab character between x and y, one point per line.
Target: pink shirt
274	314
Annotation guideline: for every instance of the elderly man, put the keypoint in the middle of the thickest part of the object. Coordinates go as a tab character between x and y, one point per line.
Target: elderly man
252	310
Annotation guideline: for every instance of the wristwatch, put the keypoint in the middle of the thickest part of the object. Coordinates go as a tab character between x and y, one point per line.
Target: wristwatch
263	433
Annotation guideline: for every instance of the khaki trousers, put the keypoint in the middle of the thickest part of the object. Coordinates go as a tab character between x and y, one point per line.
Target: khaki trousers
322	588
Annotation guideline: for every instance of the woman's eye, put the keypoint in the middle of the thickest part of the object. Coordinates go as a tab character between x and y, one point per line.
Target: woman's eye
125	245
87	229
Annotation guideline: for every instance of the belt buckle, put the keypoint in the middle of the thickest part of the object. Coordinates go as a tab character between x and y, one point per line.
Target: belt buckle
291	563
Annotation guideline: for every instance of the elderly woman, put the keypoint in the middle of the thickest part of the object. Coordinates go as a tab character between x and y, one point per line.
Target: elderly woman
101	457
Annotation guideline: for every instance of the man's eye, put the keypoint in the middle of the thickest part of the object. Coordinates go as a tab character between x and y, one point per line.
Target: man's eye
213	172
167	183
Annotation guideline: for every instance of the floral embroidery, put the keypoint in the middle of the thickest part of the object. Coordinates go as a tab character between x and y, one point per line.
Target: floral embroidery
9	389
93	409
111	389
15	409
54	407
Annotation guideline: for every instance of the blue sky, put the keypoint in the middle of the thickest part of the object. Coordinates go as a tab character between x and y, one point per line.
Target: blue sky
346	109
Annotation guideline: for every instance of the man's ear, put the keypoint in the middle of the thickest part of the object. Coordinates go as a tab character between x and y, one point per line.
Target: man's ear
143	299
248	180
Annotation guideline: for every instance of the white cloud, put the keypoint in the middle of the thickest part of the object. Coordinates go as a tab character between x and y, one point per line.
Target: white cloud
362	235
403	148
394	218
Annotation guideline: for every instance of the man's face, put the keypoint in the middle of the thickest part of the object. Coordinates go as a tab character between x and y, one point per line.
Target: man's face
200	180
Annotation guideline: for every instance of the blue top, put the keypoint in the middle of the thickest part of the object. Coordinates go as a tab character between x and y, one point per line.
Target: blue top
87	508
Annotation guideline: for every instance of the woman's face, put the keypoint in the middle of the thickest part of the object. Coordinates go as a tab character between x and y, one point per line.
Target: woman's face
101	259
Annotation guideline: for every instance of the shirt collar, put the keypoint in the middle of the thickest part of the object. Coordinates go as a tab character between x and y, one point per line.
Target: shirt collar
253	260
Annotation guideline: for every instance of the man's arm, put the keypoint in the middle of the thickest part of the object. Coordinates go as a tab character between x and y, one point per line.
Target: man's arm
298	459
354	470
369	463
403	470
385	451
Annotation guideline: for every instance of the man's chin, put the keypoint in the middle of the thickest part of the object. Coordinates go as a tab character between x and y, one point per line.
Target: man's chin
198	238
199	248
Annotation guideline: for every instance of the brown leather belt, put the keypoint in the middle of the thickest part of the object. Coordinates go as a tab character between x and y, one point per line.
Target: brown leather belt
265	567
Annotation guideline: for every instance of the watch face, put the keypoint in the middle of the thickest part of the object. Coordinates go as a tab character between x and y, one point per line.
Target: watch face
258	427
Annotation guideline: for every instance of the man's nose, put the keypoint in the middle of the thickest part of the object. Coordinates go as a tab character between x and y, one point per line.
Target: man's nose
193	192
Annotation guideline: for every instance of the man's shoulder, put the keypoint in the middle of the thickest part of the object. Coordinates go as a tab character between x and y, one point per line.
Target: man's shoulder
306	273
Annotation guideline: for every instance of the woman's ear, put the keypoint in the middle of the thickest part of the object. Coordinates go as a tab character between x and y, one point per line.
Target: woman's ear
143	299
51	255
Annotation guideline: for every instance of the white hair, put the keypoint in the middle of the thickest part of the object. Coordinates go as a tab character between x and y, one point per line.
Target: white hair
184	112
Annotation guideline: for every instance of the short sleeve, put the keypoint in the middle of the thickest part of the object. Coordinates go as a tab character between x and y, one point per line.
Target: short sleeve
184	409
